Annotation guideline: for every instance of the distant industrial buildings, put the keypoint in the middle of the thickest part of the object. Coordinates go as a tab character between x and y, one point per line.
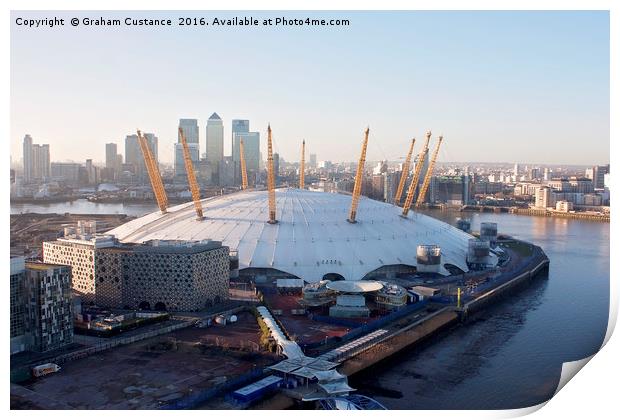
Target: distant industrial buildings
162	275
451	189
40	306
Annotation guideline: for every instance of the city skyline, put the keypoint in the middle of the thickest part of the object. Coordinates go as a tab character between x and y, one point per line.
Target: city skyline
481	80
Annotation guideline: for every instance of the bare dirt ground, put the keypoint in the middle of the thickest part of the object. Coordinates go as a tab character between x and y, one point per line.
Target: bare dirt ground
29	230
146	374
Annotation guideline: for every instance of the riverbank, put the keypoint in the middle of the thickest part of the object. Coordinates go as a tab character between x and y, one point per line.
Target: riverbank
581	215
408	332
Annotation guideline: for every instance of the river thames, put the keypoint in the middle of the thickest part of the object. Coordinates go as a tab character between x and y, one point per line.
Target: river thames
509	357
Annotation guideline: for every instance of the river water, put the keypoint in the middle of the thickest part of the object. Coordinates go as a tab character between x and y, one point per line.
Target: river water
509	357
84	206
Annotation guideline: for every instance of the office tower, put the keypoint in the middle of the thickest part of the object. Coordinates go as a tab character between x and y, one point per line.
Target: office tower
190	130
276	164
239	126
516	170
179	162
215	146
251	148
110	155
92	172
36	160
597	175
133	153
27	147
40	162
215	139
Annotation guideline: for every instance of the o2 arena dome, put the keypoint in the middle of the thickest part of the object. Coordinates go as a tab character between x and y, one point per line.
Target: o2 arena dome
313	239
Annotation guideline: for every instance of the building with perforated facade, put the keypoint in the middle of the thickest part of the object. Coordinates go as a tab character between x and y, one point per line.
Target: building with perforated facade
162	275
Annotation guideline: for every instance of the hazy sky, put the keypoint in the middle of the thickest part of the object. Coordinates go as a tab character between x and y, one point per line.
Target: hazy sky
500	86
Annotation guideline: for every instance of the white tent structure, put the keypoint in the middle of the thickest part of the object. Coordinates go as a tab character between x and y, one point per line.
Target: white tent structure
312	238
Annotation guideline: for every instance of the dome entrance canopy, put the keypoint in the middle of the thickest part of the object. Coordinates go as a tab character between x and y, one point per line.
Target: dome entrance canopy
354	286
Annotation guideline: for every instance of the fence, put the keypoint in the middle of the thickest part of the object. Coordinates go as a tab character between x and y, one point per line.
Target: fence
111	343
378	323
336	321
195	399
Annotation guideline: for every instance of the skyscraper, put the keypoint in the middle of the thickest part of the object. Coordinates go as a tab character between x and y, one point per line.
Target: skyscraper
276	164
215	145
251	149
28	158
179	161
215	139
239	126
110	155
597	175
36	160
190	130
41	157
133	153
112	166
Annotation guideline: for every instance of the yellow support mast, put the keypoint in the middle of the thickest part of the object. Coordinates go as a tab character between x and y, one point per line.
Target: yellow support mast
302	166
271	179
416	176
404	175
244	173
359	175
191	176
429	174
153	172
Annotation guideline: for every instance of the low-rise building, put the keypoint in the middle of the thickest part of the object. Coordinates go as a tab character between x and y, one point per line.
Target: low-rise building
564	206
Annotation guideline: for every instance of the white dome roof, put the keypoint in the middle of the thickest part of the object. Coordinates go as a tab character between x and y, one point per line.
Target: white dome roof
312	237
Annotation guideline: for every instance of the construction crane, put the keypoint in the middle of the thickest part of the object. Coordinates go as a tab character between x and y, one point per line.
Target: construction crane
404	175
191	176
271	179
244	174
154	175
359	175
302	166
429	173
416	176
